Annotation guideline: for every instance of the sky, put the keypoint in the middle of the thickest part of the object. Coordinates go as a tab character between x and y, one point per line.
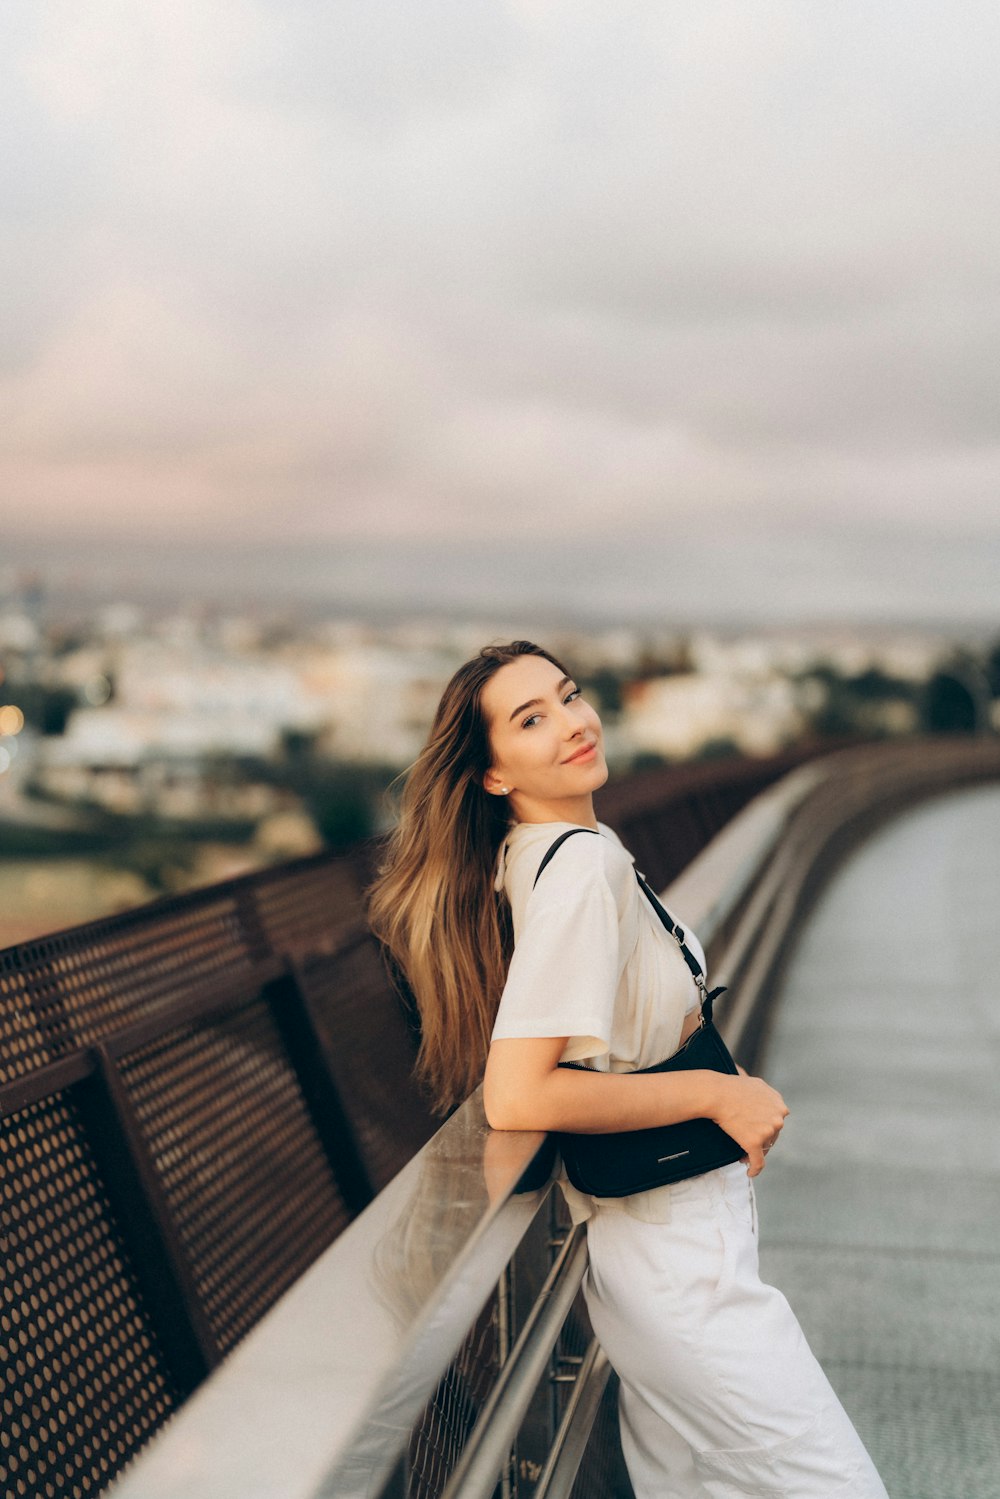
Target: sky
600	304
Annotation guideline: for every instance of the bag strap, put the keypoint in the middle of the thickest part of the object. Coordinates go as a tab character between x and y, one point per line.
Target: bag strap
708	996
554	847
673	927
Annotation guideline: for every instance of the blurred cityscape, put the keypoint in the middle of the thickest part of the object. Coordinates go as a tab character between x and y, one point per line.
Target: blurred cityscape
149	750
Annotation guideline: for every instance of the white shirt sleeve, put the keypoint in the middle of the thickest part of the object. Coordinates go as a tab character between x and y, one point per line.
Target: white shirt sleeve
566	969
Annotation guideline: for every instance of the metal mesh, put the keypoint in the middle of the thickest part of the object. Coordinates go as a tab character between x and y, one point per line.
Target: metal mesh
666	816
308	908
82	1381
221	1153
230	1110
76	987
371	1050
22	1043
602	1473
248	1184
440	1436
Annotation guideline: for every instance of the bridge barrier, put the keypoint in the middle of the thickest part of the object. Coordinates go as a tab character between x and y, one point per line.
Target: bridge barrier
196	1099
178	1145
409	1360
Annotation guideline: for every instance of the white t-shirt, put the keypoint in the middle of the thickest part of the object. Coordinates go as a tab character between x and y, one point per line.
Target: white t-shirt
593	962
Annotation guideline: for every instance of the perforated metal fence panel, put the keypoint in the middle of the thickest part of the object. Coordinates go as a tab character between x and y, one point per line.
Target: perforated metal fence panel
667	815
245	1177
370	1041
84	1379
195	1099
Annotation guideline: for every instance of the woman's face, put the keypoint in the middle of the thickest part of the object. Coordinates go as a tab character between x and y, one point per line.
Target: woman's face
547	745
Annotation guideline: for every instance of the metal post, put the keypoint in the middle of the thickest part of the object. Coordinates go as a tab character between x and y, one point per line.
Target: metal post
289	1006
145	1222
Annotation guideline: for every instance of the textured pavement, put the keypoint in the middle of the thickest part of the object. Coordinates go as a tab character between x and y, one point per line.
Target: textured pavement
880	1206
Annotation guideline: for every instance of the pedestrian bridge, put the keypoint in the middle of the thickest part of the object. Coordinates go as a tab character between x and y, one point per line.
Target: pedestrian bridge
179	1152
881	1209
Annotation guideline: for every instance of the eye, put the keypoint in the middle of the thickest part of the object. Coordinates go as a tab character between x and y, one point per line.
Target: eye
530	721
574	692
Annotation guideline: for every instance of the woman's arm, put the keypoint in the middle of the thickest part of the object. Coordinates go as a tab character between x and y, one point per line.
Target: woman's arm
524	1088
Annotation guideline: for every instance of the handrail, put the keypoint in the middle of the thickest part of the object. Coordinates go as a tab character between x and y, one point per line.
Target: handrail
340	1369
570	1443
744	893
342	1366
475	1474
852	792
222	1146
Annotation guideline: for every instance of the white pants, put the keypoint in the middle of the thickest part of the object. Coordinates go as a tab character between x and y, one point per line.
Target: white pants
721	1397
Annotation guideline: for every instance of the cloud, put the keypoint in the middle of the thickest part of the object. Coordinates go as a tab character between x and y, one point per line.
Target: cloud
388	271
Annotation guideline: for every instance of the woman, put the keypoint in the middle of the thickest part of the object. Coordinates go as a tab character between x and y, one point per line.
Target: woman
720	1395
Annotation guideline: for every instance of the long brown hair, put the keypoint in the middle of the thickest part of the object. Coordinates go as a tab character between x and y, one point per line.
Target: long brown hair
433	904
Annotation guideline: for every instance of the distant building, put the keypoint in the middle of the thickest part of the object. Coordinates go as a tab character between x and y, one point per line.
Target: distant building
679	715
378	701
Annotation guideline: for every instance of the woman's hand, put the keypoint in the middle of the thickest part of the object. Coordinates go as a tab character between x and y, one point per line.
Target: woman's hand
752	1112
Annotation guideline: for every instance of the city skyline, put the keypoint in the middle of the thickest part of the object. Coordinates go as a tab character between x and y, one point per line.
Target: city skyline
692	583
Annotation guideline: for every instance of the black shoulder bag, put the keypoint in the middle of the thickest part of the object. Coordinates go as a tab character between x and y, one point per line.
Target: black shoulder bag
618	1164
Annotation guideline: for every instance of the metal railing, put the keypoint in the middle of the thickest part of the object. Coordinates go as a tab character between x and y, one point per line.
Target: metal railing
204	1092
325	1396
198	1098
195	1100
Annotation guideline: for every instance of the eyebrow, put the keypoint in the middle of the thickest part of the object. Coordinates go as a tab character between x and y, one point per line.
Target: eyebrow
536	702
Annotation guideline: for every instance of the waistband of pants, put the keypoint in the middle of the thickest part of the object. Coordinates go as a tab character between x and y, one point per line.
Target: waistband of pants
655	1206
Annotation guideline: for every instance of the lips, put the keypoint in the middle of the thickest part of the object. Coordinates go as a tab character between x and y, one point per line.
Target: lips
586	752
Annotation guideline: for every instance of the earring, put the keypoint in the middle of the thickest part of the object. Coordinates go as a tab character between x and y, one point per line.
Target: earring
504	790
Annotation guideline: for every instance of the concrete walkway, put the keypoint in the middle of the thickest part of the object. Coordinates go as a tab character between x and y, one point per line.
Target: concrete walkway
880	1207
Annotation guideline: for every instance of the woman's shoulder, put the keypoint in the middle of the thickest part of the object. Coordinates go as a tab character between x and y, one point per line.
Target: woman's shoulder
593	854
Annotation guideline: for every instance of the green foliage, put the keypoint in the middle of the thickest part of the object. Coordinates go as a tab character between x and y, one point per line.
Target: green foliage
604	687
648	760
874	686
861	703
992	668
720	748
46	709
343	798
949	706
165	862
